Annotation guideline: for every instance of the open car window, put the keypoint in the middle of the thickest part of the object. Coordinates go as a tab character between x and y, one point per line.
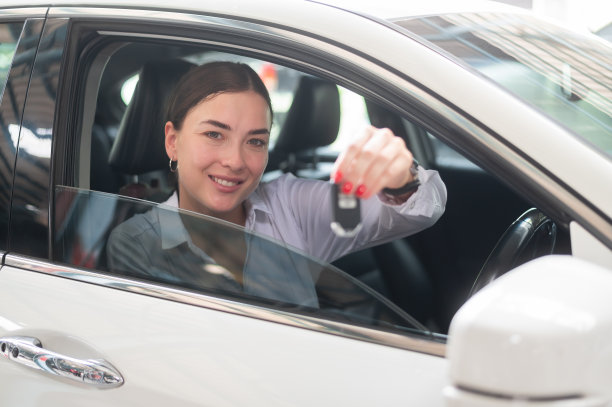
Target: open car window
118	152
164	245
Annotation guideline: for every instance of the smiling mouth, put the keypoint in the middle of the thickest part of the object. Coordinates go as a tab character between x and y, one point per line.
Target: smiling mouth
224	182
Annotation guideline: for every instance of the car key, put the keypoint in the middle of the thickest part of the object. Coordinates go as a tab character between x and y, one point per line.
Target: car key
346	211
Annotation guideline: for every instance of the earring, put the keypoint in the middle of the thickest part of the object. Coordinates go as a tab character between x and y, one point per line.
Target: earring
173	165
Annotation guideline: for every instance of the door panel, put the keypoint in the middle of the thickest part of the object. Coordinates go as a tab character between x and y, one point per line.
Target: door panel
169	352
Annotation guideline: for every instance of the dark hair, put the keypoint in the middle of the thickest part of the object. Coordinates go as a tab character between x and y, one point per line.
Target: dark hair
204	81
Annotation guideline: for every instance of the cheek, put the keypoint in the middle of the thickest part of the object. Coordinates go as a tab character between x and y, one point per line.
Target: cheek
257	161
197	155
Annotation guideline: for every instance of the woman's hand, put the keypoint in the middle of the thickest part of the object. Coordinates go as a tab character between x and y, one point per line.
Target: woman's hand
376	160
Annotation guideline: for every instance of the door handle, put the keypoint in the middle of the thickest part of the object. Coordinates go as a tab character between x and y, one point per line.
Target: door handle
28	351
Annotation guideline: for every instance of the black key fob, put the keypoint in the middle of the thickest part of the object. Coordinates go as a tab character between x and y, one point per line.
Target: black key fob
346	211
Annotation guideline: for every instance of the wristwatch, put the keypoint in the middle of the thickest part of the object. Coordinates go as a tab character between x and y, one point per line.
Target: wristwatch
410	186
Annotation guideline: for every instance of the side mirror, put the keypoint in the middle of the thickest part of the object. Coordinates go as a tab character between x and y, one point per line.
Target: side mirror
539	335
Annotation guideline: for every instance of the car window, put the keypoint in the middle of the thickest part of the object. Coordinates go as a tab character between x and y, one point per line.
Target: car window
119	172
165	245
117	179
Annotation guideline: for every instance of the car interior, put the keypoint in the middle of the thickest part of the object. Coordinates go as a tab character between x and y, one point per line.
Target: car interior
428	275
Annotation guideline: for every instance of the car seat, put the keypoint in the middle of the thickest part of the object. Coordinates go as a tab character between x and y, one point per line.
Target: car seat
139	148
313	121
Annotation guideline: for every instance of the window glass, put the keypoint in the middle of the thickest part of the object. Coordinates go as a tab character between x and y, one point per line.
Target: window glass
168	246
9	34
564	74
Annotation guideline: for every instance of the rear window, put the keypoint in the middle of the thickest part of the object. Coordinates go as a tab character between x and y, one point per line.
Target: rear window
564	74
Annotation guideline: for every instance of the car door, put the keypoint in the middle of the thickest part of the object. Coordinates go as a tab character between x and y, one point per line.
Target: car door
73	334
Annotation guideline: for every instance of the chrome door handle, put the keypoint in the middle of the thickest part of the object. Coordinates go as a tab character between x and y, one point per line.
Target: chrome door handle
29	352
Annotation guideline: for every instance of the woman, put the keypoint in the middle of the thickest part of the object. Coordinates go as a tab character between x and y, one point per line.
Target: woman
216	138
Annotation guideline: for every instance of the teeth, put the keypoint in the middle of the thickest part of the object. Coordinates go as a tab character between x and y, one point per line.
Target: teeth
224	182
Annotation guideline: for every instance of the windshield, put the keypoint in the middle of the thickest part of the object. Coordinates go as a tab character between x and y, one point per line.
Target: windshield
165	245
564	74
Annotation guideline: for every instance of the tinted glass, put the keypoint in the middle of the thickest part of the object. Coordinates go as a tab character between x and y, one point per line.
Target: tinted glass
13	86
30	198
564	74
165	245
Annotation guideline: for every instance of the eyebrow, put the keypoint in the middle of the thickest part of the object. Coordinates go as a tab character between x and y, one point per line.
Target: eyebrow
228	127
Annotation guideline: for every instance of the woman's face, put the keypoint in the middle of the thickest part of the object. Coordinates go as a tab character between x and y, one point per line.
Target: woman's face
222	151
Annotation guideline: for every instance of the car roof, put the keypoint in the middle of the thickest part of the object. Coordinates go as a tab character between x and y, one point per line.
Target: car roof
392	9
386	9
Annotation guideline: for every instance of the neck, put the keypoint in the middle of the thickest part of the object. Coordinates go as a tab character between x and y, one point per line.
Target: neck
236	216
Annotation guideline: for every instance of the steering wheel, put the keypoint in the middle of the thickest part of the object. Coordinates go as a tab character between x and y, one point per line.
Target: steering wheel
532	235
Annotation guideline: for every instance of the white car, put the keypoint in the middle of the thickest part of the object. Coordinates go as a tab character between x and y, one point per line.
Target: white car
515	113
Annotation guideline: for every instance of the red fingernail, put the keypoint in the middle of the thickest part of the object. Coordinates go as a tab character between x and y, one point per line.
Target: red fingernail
338	177
347	187
361	190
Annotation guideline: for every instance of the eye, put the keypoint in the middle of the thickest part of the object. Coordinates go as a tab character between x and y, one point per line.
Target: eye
257	142
213	134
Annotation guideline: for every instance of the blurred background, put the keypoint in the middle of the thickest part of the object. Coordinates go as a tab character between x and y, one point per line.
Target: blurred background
583	15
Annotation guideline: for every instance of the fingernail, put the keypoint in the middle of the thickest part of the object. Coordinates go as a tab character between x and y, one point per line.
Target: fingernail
338	177
361	190
347	187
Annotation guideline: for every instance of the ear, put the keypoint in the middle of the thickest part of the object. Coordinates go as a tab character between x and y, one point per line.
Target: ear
171	137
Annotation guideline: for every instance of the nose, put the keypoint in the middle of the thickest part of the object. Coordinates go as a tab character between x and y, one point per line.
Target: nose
232	157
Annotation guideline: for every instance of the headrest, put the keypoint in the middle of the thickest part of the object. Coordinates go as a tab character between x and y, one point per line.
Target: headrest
140	144
313	119
381	117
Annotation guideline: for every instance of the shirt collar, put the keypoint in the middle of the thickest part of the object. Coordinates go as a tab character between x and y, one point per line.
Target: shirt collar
172	231
255	202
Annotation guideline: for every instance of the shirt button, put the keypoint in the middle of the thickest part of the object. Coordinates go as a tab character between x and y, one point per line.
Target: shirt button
411	206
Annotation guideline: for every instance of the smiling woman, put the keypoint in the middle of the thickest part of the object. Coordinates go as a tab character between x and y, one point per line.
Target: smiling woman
217	133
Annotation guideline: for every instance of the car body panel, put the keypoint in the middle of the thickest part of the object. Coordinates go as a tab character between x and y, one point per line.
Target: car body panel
172	352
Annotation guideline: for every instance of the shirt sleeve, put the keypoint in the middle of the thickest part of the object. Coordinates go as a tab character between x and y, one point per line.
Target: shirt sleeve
381	221
126	253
